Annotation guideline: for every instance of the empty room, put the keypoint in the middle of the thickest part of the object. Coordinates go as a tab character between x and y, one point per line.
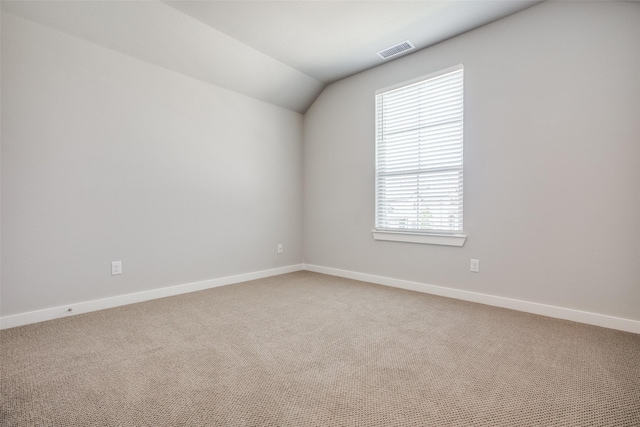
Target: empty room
320	213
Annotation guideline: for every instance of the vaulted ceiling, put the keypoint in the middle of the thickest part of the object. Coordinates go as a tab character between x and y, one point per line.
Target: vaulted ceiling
281	52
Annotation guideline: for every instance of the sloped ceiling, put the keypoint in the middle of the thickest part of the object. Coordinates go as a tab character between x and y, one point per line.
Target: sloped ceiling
281	52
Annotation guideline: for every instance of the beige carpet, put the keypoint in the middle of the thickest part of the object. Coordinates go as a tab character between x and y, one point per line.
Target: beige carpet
306	349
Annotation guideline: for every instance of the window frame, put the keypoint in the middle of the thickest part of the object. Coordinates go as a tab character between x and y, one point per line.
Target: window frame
432	237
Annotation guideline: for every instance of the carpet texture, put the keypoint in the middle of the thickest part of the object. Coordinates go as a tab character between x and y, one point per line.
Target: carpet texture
306	349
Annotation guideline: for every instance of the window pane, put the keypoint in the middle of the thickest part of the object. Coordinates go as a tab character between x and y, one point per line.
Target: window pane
419	153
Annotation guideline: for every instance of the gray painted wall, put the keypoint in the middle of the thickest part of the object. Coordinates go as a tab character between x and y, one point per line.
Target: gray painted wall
552	162
105	157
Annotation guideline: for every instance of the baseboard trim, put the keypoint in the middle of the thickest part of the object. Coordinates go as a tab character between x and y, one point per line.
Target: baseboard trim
596	319
21	319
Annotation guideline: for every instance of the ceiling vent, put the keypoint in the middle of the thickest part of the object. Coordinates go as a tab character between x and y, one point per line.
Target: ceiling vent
396	50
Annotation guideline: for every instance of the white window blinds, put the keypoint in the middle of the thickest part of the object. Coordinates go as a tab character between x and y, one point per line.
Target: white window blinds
419	137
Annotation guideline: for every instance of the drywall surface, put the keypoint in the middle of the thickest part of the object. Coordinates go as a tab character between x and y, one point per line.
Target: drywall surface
552	162
105	157
159	34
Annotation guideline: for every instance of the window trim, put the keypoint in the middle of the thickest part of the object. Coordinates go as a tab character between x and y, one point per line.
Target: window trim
424	238
419	79
415	236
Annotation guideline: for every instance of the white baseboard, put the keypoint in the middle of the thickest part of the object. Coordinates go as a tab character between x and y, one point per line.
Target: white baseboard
596	319
100	304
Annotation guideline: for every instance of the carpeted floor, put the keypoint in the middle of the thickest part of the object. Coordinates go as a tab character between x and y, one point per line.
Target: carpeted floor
305	349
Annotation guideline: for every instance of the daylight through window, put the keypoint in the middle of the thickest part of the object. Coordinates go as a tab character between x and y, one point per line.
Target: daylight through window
419	141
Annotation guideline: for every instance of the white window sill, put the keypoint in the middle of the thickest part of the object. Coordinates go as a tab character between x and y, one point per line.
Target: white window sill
427	239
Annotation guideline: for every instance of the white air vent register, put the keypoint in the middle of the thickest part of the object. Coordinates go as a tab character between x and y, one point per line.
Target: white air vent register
396	50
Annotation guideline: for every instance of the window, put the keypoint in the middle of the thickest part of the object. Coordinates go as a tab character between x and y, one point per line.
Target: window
419	141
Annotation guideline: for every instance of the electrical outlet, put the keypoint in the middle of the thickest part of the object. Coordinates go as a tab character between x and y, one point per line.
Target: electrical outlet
116	268
475	265
279	248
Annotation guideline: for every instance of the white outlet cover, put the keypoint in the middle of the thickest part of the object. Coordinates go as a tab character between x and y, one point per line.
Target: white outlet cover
116	268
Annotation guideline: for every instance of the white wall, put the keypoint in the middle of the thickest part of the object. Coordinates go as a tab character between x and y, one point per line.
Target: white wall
552	163
105	157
